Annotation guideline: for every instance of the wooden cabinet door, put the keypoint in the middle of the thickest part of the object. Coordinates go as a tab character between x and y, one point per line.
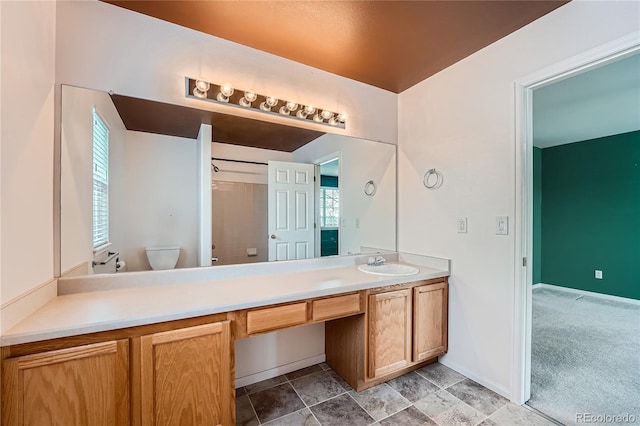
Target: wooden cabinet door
187	377
429	321
389	332
84	385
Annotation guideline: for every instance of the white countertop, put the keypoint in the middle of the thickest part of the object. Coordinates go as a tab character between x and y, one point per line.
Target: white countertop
121	306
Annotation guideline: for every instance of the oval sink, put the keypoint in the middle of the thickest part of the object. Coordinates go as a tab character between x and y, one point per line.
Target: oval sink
389	269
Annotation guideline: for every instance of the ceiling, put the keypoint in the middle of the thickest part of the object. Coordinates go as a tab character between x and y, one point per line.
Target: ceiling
388	44
601	102
174	120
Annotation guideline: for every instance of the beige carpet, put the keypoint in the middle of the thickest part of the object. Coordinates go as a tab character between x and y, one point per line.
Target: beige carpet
585	358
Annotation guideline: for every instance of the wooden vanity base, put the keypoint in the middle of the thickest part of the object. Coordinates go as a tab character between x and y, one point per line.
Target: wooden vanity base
130	376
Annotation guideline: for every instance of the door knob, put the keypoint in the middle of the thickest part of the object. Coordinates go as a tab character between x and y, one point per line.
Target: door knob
273	236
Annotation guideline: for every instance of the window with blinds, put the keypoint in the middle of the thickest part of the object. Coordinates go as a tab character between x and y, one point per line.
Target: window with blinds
100	181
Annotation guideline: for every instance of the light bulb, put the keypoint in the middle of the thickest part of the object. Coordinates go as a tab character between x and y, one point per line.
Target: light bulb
309	109
292	106
226	90
332	121
326	114
317	118
342	118
302	114
249	96
284	110
271	101
202	85
222	98
199	93
265	107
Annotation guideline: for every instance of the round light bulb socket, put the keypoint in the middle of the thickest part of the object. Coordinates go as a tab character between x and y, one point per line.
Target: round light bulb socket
250	95
265	107
202	85
271	101
199	93
226	90
292	106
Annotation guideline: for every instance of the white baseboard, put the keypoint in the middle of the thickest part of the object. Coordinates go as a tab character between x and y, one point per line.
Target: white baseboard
278	371
500	390
17	309
588	293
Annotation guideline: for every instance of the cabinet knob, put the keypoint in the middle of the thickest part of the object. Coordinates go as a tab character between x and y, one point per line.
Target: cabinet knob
273	236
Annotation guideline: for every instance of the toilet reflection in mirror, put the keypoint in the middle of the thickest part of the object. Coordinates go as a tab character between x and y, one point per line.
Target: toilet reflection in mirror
154	199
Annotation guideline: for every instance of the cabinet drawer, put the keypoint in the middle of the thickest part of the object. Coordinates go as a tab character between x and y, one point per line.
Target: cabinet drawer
335	307
277	317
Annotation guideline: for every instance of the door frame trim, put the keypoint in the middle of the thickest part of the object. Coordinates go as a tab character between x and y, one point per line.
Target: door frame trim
523	137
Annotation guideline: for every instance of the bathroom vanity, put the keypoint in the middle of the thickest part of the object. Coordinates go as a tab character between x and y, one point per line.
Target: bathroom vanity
141	354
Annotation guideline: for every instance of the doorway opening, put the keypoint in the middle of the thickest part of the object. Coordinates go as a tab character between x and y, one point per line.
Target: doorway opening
329	207
525	94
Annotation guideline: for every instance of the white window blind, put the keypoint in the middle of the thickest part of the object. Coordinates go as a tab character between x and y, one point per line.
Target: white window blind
100	181
329	207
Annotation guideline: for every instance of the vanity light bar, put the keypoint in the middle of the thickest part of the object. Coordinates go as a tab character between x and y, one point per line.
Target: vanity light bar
226	94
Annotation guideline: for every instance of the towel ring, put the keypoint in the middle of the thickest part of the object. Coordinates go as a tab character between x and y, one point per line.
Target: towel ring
428	179
370	188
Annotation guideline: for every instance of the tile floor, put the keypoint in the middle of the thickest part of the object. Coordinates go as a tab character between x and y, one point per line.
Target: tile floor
432	395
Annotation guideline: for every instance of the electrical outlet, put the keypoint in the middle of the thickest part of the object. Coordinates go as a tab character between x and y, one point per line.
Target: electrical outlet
462	225
598	274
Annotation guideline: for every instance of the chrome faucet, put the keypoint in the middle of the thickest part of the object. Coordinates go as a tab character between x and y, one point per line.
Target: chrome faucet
375	261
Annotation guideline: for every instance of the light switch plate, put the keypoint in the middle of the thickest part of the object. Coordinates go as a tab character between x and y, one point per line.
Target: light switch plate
598	274
502	225
462	225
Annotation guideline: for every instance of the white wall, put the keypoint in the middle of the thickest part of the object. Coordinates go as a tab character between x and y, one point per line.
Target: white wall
272	354
161	198
240	172
364	221
461	121
105	47
76	170
28	32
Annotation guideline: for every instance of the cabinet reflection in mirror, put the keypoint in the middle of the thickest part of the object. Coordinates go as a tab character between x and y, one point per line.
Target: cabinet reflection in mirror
128	187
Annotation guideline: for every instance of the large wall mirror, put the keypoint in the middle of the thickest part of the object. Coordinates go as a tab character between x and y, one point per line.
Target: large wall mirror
126	188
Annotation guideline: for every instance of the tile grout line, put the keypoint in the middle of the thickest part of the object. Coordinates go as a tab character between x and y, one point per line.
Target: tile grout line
486	415
402	396
255	413
307	406
455	397
363	409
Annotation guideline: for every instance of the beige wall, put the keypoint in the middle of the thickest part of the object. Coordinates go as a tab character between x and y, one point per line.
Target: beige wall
28	33
239	222
461	121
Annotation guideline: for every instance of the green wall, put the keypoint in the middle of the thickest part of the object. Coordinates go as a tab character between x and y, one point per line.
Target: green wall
590	215
537	215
